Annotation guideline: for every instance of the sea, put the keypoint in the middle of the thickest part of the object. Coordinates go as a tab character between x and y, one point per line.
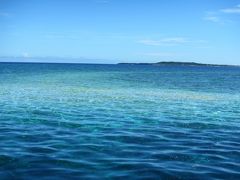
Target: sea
122	121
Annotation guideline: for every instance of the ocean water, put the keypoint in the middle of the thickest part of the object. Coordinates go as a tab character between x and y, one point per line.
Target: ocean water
80	121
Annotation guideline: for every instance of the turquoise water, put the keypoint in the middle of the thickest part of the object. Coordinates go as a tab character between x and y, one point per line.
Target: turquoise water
76	121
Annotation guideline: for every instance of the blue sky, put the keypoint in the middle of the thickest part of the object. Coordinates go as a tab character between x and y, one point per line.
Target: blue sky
111	31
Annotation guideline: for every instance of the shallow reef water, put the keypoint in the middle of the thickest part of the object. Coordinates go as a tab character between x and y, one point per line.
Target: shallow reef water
89	121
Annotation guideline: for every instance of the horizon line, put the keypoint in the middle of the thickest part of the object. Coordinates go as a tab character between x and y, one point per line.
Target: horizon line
96	59
117	63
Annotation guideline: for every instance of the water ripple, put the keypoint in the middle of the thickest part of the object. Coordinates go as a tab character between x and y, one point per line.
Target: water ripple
92	123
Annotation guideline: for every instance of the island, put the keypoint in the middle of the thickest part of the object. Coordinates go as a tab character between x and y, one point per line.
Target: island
172	63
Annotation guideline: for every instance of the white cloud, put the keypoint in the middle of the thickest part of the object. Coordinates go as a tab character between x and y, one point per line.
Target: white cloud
150	42
164	41
233	10
174	41
212	18
219	17
216	17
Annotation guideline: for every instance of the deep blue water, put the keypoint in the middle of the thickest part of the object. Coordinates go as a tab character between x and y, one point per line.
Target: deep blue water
79	121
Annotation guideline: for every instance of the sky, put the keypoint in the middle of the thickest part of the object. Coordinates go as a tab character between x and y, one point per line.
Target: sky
112	31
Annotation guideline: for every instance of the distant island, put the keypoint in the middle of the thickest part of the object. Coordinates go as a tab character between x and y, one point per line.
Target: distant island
172	63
